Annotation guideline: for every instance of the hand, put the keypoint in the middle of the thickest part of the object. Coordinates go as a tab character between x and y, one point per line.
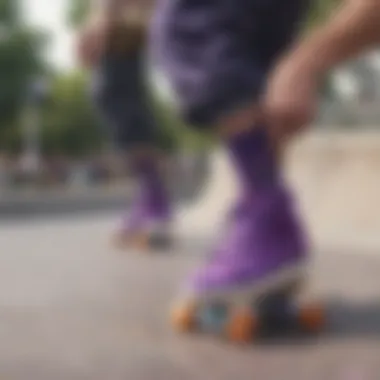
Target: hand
291	98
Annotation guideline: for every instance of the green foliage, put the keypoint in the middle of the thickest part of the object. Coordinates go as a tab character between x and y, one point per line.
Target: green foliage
20	62
320	10
180	134
9	12
78	10
69	123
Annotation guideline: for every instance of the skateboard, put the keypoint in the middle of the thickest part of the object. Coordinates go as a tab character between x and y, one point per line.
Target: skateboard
275	314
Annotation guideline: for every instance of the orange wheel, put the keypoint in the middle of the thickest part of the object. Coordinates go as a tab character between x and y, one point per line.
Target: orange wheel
141	242
183	318
242	327
312	317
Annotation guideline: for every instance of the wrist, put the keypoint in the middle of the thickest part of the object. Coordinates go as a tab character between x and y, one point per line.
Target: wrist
309	60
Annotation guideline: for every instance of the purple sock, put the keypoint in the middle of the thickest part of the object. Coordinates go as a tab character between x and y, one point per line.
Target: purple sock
261	180
153	193
254	160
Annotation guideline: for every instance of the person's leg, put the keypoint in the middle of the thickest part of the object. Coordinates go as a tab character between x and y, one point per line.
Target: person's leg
264	238
263	247
263	242
151	210
148	218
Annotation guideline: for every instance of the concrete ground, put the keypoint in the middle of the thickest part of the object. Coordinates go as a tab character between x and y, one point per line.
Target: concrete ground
73	308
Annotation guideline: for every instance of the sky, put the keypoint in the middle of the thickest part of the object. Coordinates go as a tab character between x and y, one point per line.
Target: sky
50	15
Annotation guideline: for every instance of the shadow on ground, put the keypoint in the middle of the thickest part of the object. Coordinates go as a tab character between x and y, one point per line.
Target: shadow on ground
346	321
71	308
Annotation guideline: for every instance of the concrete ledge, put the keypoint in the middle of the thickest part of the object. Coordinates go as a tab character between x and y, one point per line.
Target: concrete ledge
41	203
335	176
45	203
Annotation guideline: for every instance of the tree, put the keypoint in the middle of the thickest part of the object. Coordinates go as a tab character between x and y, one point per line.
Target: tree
78	10
70	125
320	10
9	13
20	62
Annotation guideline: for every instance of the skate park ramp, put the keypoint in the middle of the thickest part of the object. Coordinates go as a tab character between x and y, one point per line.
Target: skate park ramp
73	308
335	177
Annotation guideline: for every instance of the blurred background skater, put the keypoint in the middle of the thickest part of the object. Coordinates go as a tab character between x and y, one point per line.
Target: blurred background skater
111	44
217	56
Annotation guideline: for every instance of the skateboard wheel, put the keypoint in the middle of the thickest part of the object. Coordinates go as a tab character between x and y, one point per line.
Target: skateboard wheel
183	318
241	327
312	318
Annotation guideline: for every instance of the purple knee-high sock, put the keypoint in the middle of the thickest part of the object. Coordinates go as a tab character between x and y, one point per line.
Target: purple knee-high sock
153	195
262	184
255	161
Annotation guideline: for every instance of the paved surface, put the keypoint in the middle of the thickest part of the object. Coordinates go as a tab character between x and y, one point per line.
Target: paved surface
72	308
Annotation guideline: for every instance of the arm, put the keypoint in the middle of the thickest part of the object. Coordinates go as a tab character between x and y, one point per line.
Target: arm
352	29
92	36
291	99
